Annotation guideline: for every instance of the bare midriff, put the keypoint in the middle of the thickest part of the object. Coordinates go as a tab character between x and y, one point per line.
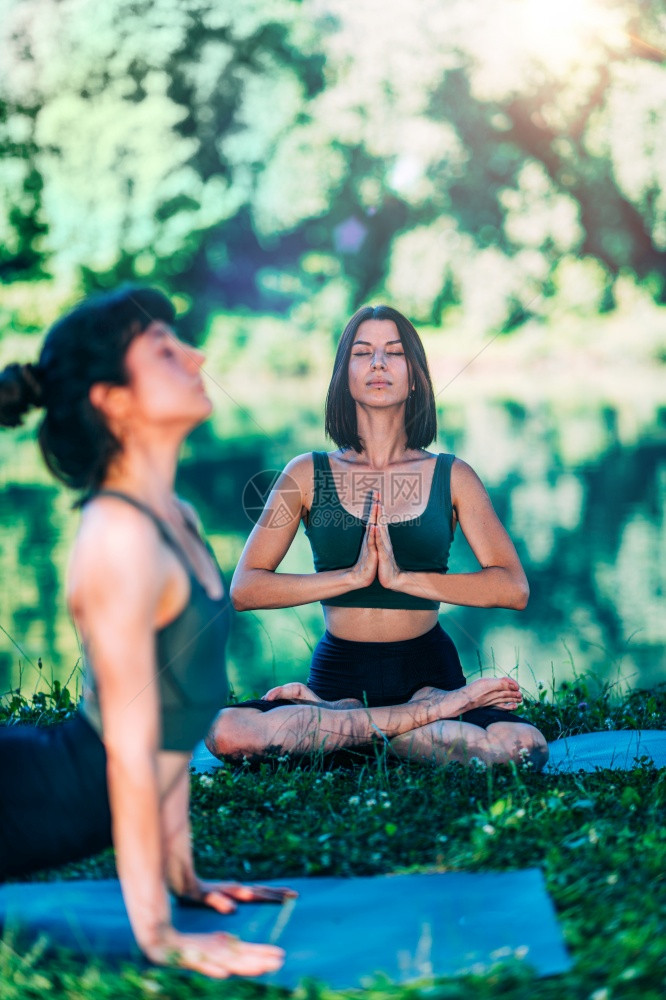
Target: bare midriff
378	624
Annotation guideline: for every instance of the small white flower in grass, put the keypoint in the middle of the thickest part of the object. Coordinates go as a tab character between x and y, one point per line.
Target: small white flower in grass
354	800
489	829
328	776
442	838
519	813
602	994
383	795
477	764
223	810
387	804
613	878
206	780
521	951
150	986
370	803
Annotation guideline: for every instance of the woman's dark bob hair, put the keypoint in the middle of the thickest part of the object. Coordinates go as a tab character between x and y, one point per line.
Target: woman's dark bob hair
420	412
86	346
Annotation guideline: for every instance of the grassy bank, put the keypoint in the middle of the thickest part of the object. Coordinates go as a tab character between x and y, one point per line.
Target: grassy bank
599	838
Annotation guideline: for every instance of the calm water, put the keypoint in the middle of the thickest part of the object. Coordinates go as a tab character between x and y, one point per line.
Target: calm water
583	500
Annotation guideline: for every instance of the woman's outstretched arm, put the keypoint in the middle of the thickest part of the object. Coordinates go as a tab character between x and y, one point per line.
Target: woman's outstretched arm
256	584
118	573
501	581
181	876
116	582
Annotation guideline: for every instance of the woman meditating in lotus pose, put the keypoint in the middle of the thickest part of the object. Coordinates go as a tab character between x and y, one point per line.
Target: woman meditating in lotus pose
380	514
121	392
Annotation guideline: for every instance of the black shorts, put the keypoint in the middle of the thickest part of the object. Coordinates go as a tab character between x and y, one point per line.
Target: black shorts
387	673
54	805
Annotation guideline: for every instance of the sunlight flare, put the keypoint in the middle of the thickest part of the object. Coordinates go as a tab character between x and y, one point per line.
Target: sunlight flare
560	34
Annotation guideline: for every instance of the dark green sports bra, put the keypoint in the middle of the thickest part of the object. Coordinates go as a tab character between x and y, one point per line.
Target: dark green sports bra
191	671
420	544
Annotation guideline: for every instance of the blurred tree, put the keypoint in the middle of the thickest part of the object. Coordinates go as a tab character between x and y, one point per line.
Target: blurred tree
254	155
149	122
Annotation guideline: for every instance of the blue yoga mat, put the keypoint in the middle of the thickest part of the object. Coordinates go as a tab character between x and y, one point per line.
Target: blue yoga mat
615	749
619	750
339	931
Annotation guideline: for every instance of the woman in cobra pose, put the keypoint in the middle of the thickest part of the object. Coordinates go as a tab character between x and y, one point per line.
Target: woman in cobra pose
380	513
120	393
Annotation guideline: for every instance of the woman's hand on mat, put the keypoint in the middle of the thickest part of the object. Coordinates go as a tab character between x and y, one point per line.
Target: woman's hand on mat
224	896
218	955
364	571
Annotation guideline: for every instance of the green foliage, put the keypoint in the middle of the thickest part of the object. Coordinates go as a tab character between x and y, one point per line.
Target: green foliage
259	154
598	837
42	709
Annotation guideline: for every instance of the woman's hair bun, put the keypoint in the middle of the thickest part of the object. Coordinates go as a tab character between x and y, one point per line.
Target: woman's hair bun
20	390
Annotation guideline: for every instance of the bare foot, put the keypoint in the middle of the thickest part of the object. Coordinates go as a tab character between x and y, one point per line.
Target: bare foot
486	692
294	691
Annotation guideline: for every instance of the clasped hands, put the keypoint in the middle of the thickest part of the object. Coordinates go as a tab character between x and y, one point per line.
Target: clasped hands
376	558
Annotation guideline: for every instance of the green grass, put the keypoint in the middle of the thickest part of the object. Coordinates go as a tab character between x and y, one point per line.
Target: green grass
599	838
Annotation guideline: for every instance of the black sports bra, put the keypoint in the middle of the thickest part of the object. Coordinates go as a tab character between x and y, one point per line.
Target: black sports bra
191	672
420	544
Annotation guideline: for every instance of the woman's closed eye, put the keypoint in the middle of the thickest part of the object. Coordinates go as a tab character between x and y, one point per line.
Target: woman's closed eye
365	354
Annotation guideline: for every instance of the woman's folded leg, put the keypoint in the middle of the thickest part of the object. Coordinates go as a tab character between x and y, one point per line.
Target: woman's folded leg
451	740
301	728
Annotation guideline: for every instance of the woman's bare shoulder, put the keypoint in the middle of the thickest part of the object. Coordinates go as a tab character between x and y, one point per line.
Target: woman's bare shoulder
301	470
466	484
300	464
114	538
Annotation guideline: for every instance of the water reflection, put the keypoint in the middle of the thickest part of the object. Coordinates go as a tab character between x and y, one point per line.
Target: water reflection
585	508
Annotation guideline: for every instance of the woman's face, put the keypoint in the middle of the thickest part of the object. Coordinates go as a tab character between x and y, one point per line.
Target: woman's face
165	383
378	372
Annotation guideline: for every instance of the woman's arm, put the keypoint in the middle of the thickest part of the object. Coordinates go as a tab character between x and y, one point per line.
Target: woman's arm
181	876
119	571
501	581
255	584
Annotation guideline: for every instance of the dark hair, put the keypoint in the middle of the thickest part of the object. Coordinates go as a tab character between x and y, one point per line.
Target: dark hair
420	412
86	346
